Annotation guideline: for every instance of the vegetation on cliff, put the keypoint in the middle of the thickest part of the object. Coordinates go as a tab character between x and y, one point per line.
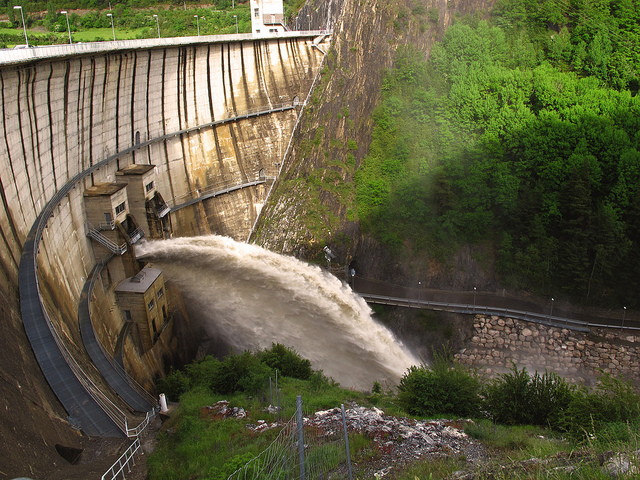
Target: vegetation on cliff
521	132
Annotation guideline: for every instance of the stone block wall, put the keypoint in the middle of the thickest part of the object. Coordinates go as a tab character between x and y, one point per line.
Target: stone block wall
577	356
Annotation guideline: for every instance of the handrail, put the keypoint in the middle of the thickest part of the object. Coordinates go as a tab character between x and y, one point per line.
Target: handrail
550	320
123	461
123	373
104	241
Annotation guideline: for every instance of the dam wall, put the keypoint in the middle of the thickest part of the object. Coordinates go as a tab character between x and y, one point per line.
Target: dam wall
201	117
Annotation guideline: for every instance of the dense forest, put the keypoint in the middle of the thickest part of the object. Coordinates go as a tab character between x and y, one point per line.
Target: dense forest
521	133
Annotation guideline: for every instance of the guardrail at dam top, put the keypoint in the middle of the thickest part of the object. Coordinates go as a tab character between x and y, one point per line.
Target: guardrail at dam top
30	54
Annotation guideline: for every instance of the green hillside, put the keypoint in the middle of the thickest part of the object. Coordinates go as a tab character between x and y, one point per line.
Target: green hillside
521	132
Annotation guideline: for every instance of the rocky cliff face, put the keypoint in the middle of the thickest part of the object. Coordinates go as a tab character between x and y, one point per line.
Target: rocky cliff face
313	204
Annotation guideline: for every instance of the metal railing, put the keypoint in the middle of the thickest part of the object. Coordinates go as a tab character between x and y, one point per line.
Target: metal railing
541	318
121	371
104	241
216	189
125	460
23	55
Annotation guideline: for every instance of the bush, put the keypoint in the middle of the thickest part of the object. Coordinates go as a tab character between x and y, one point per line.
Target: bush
516	398
443	388
612	401
173	385
240	373
287	361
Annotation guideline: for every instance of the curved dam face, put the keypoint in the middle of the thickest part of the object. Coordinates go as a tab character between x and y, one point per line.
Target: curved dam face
154	142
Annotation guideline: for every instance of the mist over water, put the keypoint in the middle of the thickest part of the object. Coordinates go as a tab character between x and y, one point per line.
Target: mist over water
250	298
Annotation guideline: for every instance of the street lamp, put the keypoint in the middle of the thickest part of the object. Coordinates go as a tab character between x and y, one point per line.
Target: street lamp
551	311
110	15
624	312
24	27
474	299
236	17
419	288
68	27
309	19
158	24
197	23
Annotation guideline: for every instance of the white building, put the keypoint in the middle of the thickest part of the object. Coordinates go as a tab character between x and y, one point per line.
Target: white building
267	16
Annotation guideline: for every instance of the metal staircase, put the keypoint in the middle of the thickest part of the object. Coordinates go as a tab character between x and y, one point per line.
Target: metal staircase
110	245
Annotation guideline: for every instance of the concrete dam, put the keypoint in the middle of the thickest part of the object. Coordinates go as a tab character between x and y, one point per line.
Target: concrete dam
105	146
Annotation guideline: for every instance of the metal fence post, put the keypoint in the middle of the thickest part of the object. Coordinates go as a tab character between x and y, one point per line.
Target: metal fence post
346	440
300	437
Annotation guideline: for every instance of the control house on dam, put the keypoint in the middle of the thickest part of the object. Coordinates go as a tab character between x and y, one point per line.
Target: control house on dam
109	144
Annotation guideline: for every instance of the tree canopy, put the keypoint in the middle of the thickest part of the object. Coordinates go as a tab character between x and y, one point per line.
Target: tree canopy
522	132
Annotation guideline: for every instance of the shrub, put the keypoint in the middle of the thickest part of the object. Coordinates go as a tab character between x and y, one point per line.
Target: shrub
173	385
287	361
443	388
517	398
612	401
240	373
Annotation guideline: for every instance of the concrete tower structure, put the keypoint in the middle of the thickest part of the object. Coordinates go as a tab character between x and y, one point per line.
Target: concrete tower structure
267	16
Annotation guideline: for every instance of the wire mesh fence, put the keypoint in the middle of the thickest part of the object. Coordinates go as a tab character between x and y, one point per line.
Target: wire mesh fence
302	450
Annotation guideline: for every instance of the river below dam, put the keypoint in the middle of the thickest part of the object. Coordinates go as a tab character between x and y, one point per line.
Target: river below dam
248	298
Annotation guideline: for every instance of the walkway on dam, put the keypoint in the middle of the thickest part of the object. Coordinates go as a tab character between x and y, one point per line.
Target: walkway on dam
60	369
35	53
474	302
113	374
219	189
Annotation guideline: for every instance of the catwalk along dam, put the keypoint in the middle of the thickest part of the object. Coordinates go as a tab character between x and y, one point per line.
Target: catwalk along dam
105	145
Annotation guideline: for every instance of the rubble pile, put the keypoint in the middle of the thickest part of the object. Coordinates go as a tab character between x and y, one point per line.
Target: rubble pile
220	410
399	441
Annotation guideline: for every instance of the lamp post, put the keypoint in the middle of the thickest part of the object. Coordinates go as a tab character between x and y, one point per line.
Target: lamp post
309	19
113	29
197	23
158	24
551	311
474	299
236	17
624	312
68	27
24	27
419	288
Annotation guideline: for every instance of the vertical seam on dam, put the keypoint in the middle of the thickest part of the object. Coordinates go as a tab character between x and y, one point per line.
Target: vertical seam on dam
79	117
91	93
222	75
148	75
65	116
24	150
133	101
230	76
13	173
51	145
182	53
209	84
164	124
35	136
33	126
117	135
194	78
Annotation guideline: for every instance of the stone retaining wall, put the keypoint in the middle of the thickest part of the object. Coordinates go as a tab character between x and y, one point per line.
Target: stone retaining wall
496	342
